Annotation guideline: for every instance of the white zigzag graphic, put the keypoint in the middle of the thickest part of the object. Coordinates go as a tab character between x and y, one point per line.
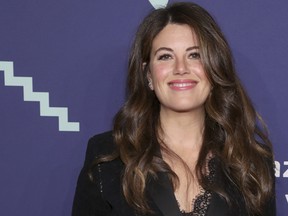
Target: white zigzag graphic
42	97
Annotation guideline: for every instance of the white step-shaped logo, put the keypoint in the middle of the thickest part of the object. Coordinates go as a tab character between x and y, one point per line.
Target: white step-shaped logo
41	97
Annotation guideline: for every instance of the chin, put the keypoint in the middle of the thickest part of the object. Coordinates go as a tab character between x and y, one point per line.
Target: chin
189	109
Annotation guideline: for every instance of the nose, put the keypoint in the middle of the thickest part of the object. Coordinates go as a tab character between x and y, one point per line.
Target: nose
181	66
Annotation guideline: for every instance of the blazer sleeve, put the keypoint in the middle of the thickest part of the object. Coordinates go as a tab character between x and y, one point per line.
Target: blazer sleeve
270	209
88	200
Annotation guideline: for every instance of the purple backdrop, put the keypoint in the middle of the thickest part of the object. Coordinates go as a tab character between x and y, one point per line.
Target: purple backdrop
77	52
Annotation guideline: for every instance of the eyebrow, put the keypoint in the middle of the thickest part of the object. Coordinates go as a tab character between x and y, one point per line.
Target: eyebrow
171	50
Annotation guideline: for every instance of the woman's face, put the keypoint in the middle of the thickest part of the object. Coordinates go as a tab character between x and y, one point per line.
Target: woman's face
176	71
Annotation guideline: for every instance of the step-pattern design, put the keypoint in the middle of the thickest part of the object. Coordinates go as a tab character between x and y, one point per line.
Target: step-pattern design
42	97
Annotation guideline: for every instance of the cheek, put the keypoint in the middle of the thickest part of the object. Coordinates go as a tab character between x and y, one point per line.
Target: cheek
159	73
198	69
201	74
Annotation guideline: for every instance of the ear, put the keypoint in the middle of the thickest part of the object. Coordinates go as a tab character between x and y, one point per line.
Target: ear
148	75
150	82
144	64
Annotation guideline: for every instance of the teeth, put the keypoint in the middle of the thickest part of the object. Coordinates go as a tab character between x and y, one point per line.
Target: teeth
181	84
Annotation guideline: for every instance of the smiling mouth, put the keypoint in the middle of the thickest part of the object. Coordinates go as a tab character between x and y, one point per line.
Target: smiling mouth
182	85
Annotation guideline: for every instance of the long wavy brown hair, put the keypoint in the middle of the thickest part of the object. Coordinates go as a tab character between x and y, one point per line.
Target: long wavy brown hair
231	130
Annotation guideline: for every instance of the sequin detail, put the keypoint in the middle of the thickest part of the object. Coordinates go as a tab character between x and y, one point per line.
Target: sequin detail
100	182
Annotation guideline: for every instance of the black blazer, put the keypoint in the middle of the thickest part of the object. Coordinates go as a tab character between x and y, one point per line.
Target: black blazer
105	198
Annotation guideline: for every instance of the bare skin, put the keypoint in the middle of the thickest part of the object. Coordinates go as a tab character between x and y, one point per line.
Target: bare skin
184	137
179	81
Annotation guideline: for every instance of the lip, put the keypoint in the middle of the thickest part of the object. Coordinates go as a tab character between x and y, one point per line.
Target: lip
183	84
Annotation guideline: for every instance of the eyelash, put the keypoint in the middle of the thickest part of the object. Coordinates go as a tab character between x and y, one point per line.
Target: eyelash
164	57
194	55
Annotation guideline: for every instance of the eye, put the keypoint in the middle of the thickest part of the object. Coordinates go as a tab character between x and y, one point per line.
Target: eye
164	57
194	55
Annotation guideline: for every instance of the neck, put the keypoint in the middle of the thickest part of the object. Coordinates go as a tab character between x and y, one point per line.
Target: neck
183	130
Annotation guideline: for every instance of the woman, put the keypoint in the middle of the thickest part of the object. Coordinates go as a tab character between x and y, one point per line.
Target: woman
186	141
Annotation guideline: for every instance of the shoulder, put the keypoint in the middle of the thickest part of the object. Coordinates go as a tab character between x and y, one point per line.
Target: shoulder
103	143
100	144
88	199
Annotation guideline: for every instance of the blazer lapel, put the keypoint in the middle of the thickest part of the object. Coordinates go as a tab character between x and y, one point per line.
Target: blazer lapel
112	188
161	191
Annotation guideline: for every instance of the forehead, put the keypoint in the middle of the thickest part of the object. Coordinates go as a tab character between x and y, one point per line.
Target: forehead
175	35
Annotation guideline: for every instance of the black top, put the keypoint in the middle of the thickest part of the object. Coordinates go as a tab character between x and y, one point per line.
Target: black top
104	197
